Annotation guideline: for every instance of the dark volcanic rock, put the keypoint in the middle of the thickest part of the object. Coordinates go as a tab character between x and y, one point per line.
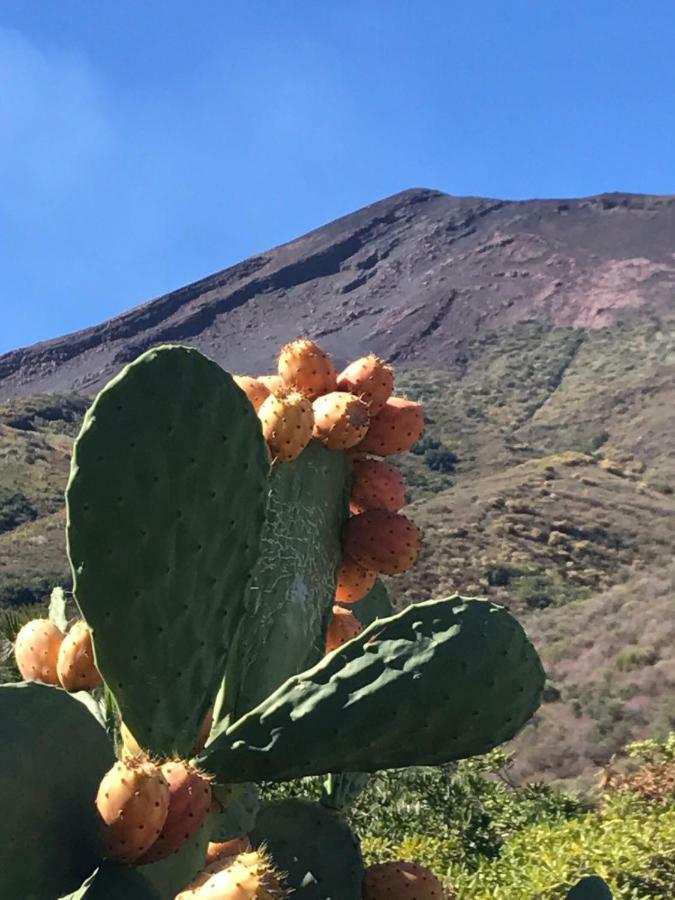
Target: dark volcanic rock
415	278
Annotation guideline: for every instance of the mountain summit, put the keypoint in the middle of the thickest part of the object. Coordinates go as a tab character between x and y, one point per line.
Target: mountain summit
416	278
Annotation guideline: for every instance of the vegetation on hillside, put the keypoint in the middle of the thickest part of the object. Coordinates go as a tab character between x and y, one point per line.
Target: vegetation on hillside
493	840
545	481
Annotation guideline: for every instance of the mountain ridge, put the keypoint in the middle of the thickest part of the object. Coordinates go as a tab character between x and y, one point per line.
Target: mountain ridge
415	277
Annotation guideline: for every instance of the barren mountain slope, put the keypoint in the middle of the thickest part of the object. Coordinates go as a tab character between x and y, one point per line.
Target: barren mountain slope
415	277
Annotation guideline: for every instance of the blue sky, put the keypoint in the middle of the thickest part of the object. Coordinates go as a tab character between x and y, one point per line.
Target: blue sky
147	143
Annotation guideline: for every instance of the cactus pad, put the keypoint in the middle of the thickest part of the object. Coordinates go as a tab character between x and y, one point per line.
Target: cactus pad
442	680
592	887
165	506
114	882
315	848
290	598
53	755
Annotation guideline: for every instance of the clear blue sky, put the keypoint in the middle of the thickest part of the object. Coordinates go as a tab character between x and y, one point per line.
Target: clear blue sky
147	143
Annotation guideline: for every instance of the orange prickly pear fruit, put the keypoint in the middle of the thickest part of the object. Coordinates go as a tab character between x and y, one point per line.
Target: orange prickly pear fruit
398	425
385	542
287	421
273	383
189	802
340	420
224	849
75	665
371	379
247	876
401	881
255	390
376	485
133	803
353	581
343	627
303	365
36	650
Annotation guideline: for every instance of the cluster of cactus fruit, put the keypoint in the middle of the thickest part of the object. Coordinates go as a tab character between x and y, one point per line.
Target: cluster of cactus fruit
226	535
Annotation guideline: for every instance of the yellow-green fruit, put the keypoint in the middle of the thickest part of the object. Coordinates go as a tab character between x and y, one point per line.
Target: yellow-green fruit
376	485
287	421
130	746
340	420
342	628
371	379
306	367
401	880
397	426
75	666
254	389
133	803
353	581
37	651
248	876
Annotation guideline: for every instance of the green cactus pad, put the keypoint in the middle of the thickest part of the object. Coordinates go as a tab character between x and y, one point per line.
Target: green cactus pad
590	888
315	848
440	681
375	605
113	882
169	876
289	600
341	789
239	807
165	506
53	754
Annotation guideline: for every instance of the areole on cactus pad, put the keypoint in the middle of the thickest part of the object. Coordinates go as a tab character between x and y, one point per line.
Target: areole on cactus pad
207	560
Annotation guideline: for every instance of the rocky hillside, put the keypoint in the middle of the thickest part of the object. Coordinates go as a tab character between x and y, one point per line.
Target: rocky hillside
417	278
541	338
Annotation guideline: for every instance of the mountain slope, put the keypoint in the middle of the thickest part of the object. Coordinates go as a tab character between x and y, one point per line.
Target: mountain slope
415	277
547	476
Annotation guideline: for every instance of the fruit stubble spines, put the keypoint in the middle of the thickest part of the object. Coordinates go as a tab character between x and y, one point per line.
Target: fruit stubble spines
251	875
133	804
36	650
341	420
398	425
376	485
371	379
342	627
76	668
385	542
401	880
287	420
190	798
303	365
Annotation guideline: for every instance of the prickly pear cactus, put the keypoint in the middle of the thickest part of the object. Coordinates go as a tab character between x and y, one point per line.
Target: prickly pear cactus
205	566
53	754
315	848
165	506
592	887
289	597
419	669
